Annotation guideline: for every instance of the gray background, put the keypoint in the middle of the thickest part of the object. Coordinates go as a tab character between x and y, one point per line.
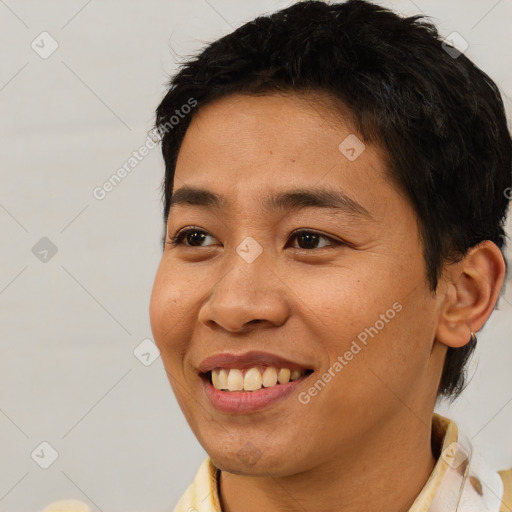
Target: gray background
70	324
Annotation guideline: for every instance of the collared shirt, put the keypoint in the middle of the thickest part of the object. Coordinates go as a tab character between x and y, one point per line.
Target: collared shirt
459	482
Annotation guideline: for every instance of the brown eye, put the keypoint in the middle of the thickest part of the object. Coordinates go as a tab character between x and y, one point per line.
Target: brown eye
311	239
308	240
193	237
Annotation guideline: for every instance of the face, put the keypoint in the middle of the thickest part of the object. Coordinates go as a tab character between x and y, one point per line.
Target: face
299	254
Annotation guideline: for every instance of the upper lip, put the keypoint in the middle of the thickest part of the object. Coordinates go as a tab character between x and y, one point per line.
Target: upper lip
247	360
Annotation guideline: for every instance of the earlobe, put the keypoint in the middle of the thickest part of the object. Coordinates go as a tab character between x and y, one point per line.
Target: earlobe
472	289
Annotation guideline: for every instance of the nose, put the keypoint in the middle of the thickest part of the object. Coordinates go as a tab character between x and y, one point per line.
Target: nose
248	295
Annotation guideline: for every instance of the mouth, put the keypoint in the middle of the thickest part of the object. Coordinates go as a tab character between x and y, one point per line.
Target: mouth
252	379
249	382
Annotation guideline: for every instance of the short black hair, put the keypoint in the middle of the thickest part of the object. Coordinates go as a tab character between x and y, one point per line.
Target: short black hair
438	117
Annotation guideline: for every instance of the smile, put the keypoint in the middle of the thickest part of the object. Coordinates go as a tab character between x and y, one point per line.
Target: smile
250	382
253	379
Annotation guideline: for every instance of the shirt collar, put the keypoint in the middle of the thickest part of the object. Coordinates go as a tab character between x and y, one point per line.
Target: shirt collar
444	490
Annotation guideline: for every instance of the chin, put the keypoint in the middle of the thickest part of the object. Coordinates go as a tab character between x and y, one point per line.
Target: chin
236	466
249	459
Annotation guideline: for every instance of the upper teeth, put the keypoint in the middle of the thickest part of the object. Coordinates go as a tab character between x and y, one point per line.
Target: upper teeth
253	378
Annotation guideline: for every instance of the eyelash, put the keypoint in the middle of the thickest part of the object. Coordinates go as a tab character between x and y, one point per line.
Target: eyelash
180	235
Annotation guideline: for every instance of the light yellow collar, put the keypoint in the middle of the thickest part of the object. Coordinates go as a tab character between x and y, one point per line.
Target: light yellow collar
456	478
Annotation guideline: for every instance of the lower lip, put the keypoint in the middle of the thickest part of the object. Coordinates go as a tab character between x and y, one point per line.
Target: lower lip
248	401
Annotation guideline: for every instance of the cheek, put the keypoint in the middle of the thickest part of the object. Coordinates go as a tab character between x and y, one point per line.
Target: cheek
170	325
383	314
386	354
171	308
343	302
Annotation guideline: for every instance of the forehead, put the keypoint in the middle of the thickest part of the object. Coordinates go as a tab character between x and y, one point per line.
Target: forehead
247	145
289	123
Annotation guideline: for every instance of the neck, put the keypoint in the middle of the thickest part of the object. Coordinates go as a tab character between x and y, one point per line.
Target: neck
384	473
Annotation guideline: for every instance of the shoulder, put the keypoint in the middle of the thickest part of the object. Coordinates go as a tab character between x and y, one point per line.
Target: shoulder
67	506
506	478
462	478
201	494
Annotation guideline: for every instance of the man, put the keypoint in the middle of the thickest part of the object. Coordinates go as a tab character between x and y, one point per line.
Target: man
335	195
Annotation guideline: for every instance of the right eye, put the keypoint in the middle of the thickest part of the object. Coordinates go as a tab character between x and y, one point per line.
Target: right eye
193	236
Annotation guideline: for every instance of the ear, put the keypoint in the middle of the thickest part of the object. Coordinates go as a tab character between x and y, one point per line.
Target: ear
472	287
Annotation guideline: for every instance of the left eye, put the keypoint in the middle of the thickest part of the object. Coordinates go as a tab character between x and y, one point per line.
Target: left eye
310	239
194	237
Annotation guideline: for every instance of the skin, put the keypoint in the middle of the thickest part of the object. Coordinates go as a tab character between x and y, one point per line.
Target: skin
348	447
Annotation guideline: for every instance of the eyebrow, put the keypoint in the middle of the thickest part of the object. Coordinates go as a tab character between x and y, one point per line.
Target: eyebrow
290	200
